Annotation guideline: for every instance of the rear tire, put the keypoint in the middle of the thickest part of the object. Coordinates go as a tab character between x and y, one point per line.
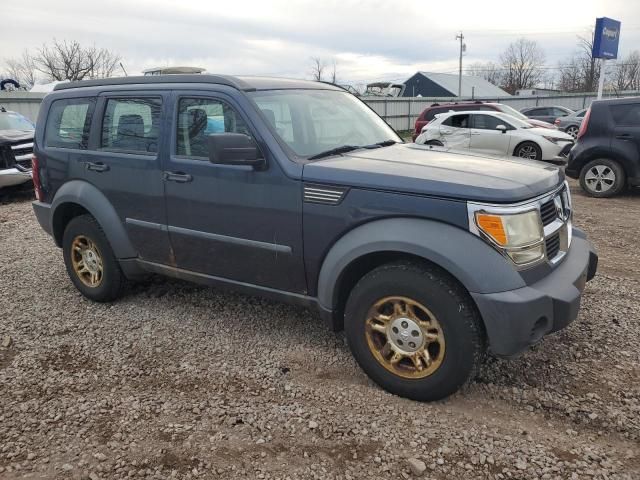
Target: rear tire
90	261
403	309
602	178
528	150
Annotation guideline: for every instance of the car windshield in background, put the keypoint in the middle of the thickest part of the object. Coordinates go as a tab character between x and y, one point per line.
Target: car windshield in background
315	122
14	121
516	122
513	112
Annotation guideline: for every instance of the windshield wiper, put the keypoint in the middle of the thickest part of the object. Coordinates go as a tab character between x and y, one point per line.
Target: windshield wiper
335	151
350	148
385	143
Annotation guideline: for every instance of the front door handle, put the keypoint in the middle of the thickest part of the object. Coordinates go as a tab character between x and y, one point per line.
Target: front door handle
179	177
624	136
97	166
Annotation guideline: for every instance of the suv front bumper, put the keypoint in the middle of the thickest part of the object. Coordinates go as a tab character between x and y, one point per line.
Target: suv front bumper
517	319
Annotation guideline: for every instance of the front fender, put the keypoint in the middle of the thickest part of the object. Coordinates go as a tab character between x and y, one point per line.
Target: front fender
476	265
93	200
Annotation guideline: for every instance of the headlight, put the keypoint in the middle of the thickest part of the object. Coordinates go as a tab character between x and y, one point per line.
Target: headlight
552	139
518	235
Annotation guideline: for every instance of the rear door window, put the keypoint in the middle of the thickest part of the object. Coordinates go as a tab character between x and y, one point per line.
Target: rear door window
131	125
626	114
457	121
68	123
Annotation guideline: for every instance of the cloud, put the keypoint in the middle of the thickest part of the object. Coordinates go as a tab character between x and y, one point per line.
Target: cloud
369	40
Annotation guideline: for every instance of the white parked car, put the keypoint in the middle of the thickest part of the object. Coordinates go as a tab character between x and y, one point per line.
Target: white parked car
496	133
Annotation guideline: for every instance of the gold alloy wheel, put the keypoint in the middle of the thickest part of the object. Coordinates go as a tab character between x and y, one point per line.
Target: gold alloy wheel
86	261
405	337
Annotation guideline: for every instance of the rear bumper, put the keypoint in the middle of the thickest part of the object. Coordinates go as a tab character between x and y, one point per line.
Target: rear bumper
14	176
43	215
519	318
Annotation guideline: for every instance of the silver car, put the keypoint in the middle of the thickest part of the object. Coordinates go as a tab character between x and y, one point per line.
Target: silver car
16	148
571	123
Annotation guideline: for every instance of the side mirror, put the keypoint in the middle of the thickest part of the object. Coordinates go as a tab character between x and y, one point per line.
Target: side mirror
233	149
502	128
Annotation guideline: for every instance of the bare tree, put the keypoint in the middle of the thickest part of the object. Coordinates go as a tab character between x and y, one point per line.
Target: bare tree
317	69
22	69
68	60
490	71
581	72
626	73
522	64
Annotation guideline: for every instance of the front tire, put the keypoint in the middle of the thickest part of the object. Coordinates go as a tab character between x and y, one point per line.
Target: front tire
90	261
528	150
414	331
602	178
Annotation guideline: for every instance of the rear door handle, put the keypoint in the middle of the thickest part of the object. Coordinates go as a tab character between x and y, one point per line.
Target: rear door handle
179	177
624	136
97	166
446	131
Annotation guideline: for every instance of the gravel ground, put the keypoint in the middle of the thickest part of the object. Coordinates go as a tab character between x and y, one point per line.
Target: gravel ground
180	381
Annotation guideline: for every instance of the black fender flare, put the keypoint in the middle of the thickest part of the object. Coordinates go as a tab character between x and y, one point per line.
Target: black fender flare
469	259
94	201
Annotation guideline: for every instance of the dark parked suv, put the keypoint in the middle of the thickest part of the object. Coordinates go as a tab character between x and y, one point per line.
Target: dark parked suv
606	157
298	191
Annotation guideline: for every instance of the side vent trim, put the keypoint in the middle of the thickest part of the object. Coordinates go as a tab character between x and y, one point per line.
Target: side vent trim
326	195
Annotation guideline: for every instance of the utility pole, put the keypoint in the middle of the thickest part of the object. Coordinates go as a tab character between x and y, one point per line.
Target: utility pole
463	47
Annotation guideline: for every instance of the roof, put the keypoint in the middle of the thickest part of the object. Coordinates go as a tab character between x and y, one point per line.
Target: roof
175	70
245	83
471	86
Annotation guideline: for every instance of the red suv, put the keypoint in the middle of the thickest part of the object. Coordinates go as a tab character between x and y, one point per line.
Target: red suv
430	112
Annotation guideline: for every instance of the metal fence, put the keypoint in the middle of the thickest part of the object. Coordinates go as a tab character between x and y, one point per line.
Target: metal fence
400	113
25	103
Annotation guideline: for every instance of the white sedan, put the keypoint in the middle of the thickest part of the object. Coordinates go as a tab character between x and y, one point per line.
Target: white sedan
496	133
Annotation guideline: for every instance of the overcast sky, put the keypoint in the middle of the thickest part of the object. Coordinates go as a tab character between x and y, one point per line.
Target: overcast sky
368	39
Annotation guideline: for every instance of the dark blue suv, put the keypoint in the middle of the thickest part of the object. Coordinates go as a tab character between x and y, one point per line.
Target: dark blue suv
298	191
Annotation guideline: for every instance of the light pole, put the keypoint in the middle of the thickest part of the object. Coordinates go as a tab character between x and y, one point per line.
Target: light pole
463	47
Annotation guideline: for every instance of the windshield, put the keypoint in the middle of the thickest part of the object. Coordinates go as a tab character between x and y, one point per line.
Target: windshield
513	112
314	121
516	122
14	121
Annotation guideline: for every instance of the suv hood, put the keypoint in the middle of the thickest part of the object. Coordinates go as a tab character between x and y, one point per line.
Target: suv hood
420	170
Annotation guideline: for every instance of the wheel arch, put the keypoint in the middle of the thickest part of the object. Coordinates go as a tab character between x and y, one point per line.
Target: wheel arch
607	154
464	257
78	197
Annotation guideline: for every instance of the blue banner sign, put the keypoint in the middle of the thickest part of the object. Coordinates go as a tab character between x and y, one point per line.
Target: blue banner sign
606	38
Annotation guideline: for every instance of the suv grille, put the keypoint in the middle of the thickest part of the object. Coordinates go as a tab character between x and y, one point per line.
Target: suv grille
23	153
555	213
552	244
548	212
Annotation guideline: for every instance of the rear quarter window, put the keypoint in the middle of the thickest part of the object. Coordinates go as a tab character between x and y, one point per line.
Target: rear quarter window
431	113
626	114
68	123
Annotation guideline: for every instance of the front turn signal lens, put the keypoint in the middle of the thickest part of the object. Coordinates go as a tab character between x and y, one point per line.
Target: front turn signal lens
492	225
